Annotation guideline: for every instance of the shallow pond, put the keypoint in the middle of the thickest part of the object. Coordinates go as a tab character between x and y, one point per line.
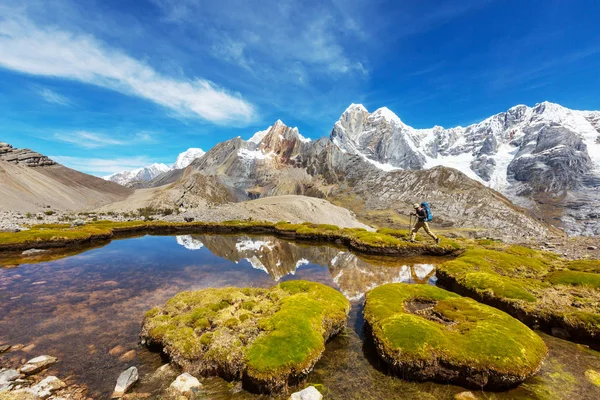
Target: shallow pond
86	309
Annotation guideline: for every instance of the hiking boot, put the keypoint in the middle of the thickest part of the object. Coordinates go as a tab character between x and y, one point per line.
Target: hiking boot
437	240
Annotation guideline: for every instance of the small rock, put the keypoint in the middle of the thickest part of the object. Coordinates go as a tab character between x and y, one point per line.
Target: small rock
188	219
465	396
237	388
164	371
4	348
8	375
31	252
130	355
592	247
310	393
560	333
125	381
46	387
77	222
31	346
115	351
37	364
186	383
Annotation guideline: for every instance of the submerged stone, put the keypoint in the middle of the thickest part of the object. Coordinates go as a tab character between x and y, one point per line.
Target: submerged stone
268	338
185	383
426	333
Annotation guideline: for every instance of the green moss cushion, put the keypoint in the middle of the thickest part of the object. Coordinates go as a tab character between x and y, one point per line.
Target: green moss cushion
426	333
537	288
267	337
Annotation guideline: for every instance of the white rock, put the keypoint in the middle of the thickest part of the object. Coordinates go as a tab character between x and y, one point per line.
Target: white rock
310	393
186	383
8	375
126	381
46	387
37	364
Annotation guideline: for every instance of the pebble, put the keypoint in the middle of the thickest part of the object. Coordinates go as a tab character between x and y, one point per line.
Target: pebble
37	364
130	355
8	375
186	383
310	393
46	387
31	252
592	247
465	396
4	348
125	381
115	351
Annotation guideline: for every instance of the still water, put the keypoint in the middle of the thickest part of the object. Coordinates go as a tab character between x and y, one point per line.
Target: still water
86	309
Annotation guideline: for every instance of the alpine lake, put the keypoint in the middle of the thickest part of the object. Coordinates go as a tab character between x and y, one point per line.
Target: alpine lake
86	307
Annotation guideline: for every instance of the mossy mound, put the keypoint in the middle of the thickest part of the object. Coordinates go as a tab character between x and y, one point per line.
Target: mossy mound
426	333
536	287
268	338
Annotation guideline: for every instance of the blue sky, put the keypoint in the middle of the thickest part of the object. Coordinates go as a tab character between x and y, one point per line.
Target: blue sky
111	85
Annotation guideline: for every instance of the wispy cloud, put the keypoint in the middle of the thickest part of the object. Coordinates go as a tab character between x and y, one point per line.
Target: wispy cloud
50	51
53	97
88	140
101	166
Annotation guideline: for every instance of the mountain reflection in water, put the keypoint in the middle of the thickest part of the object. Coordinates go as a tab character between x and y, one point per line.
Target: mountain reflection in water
352	274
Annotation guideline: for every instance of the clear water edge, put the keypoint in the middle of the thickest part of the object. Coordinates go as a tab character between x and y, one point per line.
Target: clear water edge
80	307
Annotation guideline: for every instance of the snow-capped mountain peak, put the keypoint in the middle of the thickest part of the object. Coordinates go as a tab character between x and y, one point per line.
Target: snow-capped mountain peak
187	157
149	172
546	148
142	174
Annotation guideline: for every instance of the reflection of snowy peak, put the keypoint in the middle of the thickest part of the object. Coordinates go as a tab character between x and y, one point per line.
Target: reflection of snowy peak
525	152
189	242
150	172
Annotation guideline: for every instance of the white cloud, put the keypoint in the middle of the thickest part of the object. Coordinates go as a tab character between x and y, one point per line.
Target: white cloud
88	140
53	97
101	166
50	51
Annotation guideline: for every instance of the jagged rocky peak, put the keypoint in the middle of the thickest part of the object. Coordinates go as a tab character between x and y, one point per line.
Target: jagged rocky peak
379	136
25	157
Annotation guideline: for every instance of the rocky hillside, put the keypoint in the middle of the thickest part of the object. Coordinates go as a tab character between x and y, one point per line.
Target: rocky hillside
280	161
30	181
545	158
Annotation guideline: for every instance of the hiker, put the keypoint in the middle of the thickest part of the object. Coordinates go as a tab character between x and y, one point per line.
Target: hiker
421	222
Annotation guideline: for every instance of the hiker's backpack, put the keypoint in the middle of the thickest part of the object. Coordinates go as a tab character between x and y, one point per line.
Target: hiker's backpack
428	216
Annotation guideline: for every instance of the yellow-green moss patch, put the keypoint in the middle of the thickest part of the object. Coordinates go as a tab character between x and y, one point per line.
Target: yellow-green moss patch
426	333
266	337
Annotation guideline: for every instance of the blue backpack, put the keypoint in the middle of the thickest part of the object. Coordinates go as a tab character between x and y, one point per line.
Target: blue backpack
428	216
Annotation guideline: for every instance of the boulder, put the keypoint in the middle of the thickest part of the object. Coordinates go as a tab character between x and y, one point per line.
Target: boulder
186	383
37	364
125	381
426	333
310	393
246	332
32	252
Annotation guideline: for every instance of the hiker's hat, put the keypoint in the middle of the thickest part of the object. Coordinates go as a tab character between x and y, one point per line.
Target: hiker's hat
416	205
